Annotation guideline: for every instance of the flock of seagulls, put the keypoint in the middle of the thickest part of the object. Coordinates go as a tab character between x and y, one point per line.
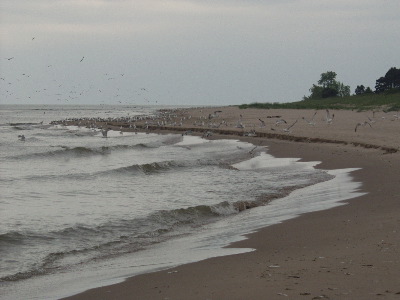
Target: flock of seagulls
215	120
206	123
36	83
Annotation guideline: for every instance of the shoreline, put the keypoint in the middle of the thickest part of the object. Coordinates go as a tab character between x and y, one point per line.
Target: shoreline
347	252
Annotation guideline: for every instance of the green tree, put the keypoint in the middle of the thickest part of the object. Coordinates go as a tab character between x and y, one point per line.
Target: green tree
328	86
360	89
391	80
368	90
316	92
343	90
328	79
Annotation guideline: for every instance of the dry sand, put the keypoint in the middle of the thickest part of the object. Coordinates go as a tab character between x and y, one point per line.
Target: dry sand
348	252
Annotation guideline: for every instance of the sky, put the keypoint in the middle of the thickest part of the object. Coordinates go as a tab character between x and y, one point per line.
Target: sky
190	52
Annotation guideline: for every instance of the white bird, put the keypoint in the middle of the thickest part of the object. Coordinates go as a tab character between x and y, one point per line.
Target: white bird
239	124
280	121
288	129
104	132
329	119
207	134
311	122
250	133
187	132
362	124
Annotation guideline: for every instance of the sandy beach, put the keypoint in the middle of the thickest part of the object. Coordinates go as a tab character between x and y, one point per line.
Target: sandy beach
348	252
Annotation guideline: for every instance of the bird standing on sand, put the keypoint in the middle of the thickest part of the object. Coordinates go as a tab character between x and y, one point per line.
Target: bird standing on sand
104	132
207	134
187	132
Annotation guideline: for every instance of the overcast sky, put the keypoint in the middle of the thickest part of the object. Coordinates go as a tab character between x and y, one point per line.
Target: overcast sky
182	52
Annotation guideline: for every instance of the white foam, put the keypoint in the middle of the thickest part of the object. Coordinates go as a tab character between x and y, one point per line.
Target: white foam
189	140
265	161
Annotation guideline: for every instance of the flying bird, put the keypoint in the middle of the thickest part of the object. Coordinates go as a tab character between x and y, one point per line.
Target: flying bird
280	121
288	129
362	124
311	121
329	119
82	59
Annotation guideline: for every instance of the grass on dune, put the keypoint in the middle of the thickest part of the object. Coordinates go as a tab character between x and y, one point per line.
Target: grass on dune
389	101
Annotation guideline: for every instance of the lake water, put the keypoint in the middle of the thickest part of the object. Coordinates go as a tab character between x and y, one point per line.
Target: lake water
79	211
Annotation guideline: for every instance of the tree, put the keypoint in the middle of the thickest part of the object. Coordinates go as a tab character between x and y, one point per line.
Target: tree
328	86
391	80
327	79
316	92
329	92
360	89
368	90
381	85
343	90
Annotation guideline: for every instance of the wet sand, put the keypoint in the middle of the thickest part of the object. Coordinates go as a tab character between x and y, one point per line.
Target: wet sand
348	252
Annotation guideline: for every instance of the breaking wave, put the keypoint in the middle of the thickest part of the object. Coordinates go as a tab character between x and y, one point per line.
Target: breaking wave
79	151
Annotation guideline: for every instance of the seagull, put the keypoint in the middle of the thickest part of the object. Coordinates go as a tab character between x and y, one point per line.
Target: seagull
207	134
239	125
250	133
310	122
104	132
280	121
82	59
10	58
288	129
362	124
252	150
187	132
329	119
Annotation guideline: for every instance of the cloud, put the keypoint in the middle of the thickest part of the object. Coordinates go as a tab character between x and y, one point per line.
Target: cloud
230	49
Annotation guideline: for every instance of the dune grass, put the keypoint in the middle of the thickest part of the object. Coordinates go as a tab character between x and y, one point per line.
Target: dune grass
389	101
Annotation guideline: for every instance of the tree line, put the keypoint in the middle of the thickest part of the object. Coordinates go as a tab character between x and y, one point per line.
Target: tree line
328	86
